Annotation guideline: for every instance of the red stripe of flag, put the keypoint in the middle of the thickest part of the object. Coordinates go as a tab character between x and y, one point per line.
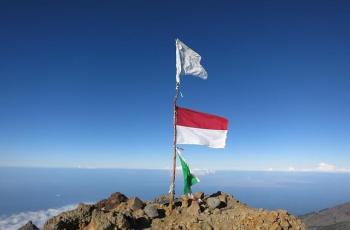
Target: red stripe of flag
191	118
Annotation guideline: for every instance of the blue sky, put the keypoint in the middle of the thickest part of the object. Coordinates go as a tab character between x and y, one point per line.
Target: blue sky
90	83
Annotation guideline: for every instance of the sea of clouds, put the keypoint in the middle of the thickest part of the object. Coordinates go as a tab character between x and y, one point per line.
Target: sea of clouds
15	221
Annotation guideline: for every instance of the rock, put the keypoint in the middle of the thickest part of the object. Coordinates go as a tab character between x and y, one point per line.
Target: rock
194	209
163	199
177	202
139	213
218	193
142	223
112	202
74	219
123	208
123	222
135	203
186	201
101	220
213	202
216	211
231	202
29	226
192	215
151	211
223	198
198	195
206	226
109	220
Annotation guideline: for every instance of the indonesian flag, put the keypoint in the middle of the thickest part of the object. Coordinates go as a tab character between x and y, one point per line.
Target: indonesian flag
199	128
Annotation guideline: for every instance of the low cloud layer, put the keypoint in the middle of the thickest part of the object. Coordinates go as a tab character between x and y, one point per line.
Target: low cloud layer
321	167
324	167
15	221
198	171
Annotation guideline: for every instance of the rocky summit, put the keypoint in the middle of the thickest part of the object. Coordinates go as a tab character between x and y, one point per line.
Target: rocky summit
216	211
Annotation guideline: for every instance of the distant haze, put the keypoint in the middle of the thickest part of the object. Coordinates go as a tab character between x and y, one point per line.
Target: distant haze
33	189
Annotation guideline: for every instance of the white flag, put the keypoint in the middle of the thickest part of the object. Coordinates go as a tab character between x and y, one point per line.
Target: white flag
188	62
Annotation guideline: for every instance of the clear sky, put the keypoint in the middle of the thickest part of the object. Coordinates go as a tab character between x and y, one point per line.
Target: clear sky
91	83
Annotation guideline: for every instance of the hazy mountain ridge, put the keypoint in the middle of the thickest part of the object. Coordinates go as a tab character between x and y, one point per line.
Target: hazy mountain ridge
337	217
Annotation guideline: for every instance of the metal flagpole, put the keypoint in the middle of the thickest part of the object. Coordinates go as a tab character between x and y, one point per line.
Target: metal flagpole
172	195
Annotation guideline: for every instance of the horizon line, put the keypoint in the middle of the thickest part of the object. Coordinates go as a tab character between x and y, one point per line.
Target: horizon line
208	171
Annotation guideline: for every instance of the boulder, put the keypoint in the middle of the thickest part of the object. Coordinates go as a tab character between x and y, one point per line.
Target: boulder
135	203
108	220
213	202
29	226
218	193
112	202
151	211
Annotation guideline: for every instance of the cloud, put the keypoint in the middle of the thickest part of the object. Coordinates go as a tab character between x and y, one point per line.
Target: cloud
15	221
201	172
198	171
291	169
324	167
321	167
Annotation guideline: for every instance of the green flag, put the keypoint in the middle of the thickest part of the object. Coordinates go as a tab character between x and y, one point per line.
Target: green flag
189	178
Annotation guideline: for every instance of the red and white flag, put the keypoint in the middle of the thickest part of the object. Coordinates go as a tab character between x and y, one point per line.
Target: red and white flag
199	128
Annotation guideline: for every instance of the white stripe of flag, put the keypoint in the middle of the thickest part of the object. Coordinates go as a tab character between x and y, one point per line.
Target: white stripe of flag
199	128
